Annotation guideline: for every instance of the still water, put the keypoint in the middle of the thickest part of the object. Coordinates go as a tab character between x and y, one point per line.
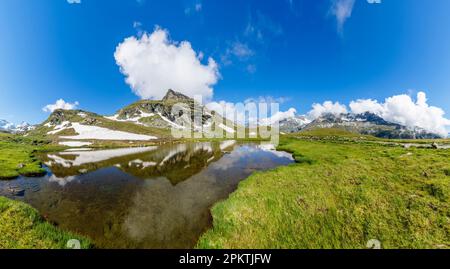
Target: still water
151	197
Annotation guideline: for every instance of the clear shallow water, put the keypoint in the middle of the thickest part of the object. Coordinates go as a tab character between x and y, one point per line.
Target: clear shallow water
154	197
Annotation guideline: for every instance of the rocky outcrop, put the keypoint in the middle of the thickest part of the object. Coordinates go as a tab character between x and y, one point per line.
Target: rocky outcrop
170	111
172	95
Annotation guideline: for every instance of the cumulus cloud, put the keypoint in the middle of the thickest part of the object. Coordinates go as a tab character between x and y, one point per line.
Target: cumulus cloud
402	109
366	105
327	107
342	10
152	64
74	1
60	104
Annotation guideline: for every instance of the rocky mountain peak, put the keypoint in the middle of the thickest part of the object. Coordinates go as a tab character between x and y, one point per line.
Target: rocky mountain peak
172	95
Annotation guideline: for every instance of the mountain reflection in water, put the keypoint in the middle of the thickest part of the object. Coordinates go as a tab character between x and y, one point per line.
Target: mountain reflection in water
152	197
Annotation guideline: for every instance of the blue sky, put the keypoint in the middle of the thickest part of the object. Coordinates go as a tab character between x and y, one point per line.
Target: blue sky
293	49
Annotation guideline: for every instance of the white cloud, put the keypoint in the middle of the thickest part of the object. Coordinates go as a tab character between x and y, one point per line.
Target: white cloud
327	107
403	110
342	10
74	1
60	104
153	64
366	105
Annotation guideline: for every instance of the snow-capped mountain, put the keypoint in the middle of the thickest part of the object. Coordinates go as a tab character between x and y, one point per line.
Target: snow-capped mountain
365	123
140	121
6	126
293	124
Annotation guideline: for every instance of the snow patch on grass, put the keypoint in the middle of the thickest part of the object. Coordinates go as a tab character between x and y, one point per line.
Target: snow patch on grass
134	119
75	143
100	133
58	128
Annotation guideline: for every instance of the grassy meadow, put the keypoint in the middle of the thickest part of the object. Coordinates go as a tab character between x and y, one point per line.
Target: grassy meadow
23	228
343	191
17	155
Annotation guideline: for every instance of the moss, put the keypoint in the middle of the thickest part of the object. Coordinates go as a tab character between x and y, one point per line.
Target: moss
21	227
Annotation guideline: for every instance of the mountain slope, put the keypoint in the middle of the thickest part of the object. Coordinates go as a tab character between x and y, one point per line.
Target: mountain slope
175	110
83	125
141	121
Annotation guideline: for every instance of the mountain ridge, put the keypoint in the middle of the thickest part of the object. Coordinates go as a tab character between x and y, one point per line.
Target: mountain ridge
141	120
364	123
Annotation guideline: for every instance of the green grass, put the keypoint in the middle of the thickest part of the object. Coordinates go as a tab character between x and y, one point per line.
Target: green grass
339	194
17	156
344	135
21	227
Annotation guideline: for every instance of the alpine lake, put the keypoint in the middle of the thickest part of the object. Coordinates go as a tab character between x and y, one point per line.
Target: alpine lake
145	197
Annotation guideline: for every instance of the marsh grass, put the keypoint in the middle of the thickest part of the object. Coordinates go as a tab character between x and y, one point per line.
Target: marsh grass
17	156
339	194
21	227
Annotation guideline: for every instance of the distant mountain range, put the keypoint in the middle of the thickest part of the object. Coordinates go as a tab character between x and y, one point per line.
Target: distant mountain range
6	126
154	119
365	123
